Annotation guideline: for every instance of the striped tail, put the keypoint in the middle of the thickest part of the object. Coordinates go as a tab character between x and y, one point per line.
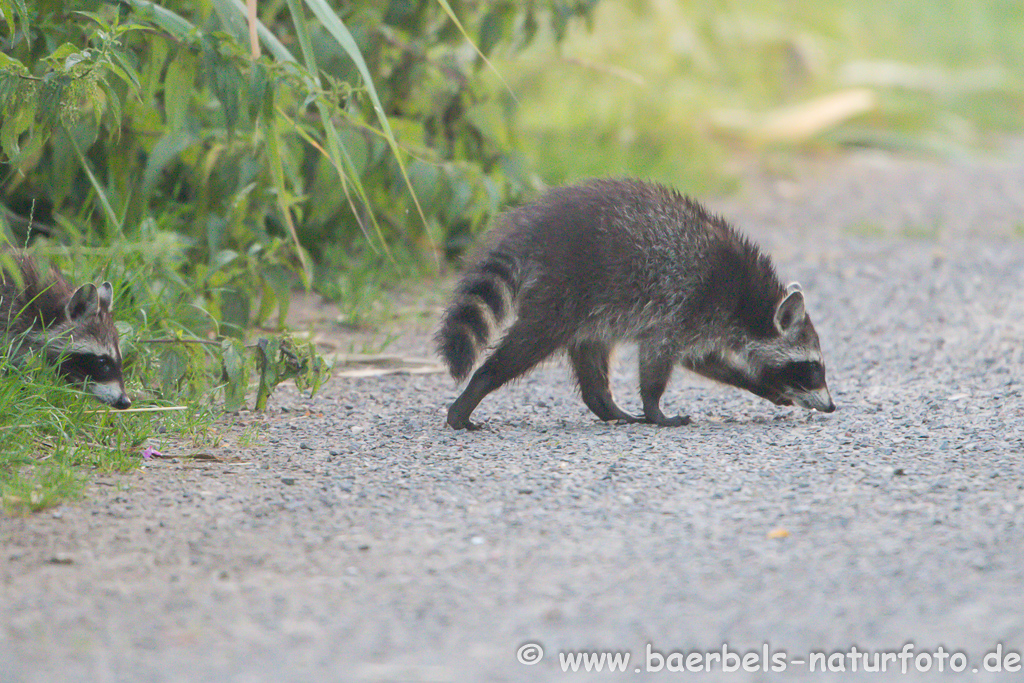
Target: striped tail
482	300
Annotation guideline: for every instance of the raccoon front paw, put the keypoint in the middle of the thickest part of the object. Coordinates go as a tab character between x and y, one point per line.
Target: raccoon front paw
464	423
663	421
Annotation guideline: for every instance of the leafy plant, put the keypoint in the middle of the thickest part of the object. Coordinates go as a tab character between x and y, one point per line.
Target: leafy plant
206	174
216	176
166	113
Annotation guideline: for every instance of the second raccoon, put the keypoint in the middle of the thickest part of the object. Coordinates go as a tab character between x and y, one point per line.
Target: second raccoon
73	328
589	266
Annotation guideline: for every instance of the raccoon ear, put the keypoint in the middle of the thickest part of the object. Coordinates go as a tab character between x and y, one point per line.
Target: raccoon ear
790	313
793	287
106	296
84	302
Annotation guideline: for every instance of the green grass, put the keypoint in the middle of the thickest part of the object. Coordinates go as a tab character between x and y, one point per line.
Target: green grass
675	90
54	436
363	283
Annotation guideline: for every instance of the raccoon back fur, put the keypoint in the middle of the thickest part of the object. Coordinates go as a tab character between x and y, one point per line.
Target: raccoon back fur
73	328
588	266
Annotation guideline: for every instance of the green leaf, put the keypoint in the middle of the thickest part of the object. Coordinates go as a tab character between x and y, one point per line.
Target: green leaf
14	92
234	306
173	366
494	26
234	22
57	58
164	18
75	59
8	63
261	92
165	151
50	94
268	298
338	153
21	7
236	374
153	71
30	151
14	126
95	17
224	79
354	142
178	90
216	229
125	71
426	182
278	280
223	258
8	11
113	102
267	351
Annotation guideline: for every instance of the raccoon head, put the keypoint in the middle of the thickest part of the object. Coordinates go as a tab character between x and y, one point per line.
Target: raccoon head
786	368
91	357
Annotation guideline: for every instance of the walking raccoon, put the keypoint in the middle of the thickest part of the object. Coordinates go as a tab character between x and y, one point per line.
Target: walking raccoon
588	266
72	327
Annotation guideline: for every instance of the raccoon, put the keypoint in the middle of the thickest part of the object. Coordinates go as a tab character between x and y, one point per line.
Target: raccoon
588	266
73	328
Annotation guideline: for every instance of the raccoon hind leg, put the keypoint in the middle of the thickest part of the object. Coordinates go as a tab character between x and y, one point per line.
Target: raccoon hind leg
655	371
590	360
526	343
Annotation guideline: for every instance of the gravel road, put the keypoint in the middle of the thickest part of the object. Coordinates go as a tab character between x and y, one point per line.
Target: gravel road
359	540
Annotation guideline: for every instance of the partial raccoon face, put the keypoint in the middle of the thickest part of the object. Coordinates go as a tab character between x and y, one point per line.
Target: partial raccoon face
92	357
799	383
99	374
787	369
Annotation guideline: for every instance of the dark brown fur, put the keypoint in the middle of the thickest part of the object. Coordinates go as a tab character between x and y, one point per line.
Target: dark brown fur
587	266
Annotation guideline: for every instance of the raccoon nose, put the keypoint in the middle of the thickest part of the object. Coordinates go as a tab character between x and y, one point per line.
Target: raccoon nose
830	408
122	403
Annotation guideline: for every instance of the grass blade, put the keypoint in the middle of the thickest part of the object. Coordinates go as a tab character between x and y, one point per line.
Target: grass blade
104	201
336	152
455	20
340	33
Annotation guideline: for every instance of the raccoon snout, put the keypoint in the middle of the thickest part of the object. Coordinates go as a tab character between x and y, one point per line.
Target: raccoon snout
819	400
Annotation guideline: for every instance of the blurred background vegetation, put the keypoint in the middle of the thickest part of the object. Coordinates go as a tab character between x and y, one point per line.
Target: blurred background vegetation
679	91
211	156
245	168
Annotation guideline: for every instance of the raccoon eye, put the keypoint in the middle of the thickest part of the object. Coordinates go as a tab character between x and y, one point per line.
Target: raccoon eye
89	366
803	375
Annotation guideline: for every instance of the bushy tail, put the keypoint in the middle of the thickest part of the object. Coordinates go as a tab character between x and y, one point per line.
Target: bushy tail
490	288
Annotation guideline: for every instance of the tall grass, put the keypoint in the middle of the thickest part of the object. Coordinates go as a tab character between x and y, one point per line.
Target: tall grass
51	435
